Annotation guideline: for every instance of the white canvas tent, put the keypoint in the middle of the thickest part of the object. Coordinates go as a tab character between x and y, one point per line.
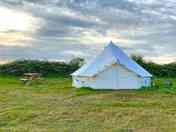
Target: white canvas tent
112	69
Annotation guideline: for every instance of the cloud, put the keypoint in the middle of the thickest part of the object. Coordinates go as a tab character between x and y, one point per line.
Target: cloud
61	29
16	28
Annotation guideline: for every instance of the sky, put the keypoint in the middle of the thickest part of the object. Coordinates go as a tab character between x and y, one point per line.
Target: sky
59	30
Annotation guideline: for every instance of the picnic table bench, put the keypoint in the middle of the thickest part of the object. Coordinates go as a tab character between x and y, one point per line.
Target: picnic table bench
30	77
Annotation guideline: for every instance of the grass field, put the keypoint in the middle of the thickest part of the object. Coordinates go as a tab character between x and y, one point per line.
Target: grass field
54	106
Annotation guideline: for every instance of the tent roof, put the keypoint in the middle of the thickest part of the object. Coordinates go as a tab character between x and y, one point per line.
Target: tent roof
111	55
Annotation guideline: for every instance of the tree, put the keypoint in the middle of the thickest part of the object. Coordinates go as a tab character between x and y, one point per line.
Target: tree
77	62
139	59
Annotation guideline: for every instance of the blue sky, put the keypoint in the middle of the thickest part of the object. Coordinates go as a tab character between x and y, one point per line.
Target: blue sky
64	29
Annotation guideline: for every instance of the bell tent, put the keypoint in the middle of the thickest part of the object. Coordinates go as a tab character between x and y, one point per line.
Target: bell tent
112	69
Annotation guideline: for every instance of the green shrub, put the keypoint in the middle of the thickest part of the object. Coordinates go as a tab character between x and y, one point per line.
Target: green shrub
46	68
158	70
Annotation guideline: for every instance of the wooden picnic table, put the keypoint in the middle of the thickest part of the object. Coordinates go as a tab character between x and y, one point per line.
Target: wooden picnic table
29	77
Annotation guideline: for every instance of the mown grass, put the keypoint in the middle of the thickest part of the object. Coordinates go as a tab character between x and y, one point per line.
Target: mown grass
54	106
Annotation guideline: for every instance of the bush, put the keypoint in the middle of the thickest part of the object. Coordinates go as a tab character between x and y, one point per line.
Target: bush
20	67
158	70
